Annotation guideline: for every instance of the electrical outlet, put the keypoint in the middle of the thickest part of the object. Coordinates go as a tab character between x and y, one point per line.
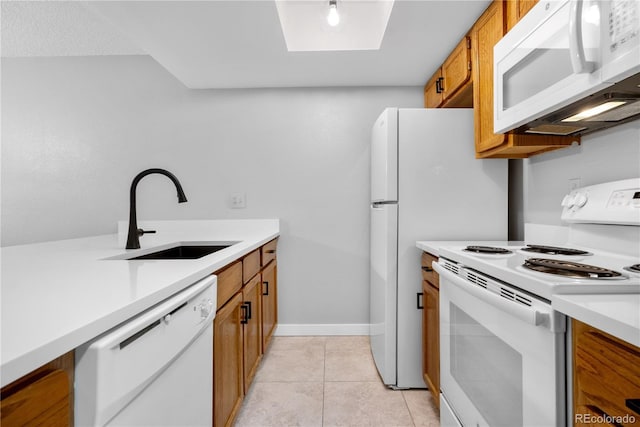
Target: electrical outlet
574	184
238	201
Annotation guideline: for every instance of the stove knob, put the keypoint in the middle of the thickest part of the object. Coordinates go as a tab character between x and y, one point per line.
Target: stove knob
580	200
568	201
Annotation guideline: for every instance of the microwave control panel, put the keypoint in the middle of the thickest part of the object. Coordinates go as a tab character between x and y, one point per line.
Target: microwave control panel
624	23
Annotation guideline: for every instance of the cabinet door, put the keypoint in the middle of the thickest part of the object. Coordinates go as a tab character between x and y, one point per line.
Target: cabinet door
431	340
486	32
433	91
456	70
228	381
45	401
606	374
252	329
516	9
269	302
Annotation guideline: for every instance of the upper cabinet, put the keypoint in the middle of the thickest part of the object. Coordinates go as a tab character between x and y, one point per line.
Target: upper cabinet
485	33
516	9
450	86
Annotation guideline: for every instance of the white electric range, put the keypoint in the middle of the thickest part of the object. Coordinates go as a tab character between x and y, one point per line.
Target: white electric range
502	346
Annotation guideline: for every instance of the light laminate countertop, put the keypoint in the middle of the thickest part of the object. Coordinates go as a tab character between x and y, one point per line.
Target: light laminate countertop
59	295
615	314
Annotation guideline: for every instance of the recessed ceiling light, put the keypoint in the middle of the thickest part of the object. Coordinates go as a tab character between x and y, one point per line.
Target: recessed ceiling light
333	18
309	26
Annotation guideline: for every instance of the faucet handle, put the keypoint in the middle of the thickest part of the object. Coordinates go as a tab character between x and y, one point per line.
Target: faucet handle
141	231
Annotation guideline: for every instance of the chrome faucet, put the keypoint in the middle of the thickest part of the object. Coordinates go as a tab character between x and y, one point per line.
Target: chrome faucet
133	241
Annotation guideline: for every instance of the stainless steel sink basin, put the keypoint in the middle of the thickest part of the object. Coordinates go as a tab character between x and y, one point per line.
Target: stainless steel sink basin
183	252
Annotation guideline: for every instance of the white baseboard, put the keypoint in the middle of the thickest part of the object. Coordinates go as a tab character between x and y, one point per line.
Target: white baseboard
284	330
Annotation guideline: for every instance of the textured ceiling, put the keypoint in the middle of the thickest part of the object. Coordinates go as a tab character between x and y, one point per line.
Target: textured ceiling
236	43
59	28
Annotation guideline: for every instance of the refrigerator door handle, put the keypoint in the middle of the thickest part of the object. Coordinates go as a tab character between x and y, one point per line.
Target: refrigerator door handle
383	203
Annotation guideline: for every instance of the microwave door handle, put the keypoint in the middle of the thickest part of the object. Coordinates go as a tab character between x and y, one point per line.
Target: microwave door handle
579	62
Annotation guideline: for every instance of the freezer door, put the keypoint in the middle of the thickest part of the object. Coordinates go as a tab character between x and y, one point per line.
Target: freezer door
383	279
384	157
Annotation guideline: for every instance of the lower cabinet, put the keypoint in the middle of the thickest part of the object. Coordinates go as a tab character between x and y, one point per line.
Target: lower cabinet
606	379
431	327
269	302
244	323
252	329
228	374
43	397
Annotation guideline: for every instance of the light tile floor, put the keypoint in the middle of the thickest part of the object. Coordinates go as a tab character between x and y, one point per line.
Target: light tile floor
328	381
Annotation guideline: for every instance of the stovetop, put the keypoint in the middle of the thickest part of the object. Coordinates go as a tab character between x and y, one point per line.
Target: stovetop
588	271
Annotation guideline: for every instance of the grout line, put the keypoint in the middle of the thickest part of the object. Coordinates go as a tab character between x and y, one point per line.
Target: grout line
324	380
404	398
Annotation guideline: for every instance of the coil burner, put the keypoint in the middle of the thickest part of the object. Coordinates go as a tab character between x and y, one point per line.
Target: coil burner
635	268
553	250
487	250
570	269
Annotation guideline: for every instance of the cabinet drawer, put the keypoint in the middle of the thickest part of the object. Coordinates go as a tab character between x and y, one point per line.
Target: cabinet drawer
229	282
250	265
269	252
607	371
428	273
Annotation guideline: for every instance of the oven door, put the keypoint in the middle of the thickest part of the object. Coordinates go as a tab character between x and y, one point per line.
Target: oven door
501	361
550	59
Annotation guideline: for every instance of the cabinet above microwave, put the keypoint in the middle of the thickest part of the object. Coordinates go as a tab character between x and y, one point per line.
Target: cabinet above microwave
569	67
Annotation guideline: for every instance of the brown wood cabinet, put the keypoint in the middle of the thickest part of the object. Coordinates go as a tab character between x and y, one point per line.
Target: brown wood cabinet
431	327
516	9
606	374
486	32
42	397
245	315
269	302
468	73
228	373
450	86
252	329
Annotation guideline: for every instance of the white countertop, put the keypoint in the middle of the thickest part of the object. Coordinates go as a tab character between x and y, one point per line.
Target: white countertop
58	295
433	246
615	314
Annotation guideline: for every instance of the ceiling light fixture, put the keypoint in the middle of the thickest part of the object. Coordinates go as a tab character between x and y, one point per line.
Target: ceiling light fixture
333	18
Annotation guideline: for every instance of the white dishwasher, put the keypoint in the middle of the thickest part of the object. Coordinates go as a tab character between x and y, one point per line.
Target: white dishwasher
153	370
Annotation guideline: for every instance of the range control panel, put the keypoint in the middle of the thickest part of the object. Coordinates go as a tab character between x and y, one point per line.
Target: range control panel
615	202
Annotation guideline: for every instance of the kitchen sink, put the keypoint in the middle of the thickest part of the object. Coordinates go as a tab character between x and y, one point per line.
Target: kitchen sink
183	252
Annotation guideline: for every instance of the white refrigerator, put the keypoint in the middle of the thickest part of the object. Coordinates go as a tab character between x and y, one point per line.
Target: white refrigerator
426	184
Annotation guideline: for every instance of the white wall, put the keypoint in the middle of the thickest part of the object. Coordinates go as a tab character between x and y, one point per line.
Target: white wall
76	130
608	155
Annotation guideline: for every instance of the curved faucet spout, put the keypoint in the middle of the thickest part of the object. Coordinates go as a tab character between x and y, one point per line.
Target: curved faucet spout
133	240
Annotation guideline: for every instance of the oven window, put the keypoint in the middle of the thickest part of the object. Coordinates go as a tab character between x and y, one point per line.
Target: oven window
487	369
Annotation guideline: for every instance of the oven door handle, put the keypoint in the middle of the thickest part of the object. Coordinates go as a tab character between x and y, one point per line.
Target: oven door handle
529	315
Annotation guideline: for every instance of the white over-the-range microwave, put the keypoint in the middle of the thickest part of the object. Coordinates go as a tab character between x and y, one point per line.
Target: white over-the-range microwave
569	67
